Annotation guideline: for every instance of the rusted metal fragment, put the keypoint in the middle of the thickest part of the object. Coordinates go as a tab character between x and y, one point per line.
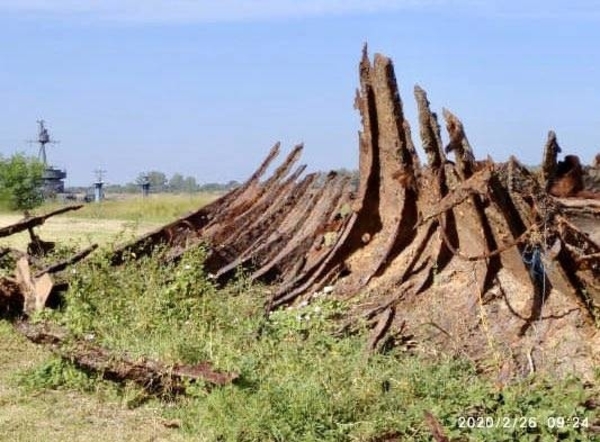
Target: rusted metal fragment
459	144
180	231
380	330
321	272
219	230
240	199
33	221
155	377
317	267
386	207
252	239
426	253
549	161
429	129
247	227
475	185
11	299
61	265
465	166
568	180
580	257
305	241
436	428
277	228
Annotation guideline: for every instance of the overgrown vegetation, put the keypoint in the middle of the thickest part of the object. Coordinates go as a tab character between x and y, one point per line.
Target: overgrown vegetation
298	382
20	182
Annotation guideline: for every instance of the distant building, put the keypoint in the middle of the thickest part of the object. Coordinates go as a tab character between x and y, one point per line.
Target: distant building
53	181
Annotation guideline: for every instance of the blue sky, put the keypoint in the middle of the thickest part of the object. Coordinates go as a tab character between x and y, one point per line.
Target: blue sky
206	88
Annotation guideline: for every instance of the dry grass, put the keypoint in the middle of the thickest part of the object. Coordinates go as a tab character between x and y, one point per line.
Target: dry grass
80	232
117	219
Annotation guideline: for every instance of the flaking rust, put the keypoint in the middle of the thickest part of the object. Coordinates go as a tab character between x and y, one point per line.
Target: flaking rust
479	226
474	257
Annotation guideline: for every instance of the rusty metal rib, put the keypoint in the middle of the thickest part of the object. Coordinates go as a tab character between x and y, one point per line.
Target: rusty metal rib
297	242
250	241
191	224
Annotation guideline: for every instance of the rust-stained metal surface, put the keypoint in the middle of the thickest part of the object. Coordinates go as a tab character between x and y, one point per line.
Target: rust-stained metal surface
479	249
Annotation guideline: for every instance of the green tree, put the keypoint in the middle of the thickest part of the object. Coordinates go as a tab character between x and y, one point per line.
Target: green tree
190	185
158	180
21	182
176	183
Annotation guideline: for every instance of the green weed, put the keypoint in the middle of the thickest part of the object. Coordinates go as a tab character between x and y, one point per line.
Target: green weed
298	381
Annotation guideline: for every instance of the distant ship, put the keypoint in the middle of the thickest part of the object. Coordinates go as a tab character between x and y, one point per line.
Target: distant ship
53	178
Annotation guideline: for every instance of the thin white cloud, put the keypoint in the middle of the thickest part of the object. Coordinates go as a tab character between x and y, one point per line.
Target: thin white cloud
539	9
205	10
195	11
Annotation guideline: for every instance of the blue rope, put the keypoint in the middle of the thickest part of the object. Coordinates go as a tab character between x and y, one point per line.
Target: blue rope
532	256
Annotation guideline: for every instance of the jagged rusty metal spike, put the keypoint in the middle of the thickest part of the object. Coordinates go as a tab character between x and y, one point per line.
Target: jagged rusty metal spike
459	144
426	251
385	223
236	229
180	230
583	274
218	231
313	278
256	196
550	160
318	261
429	130
385	210
239	198
298	208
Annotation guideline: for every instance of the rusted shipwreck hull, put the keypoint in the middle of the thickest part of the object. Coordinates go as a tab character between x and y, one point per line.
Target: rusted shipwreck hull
475	257
475	254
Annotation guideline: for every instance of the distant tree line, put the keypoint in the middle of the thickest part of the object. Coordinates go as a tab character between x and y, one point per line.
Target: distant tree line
160	183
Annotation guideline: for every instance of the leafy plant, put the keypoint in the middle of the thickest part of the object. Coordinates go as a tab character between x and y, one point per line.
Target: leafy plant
20	182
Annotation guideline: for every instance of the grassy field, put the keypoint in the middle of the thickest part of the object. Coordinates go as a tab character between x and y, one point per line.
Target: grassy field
298	381
117	219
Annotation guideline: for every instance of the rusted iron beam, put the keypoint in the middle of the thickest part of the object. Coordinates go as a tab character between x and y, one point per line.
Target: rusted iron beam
153	376
188	227
237	232
34	221
550	160
459	144
307	239
61	265
248	241
429	129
